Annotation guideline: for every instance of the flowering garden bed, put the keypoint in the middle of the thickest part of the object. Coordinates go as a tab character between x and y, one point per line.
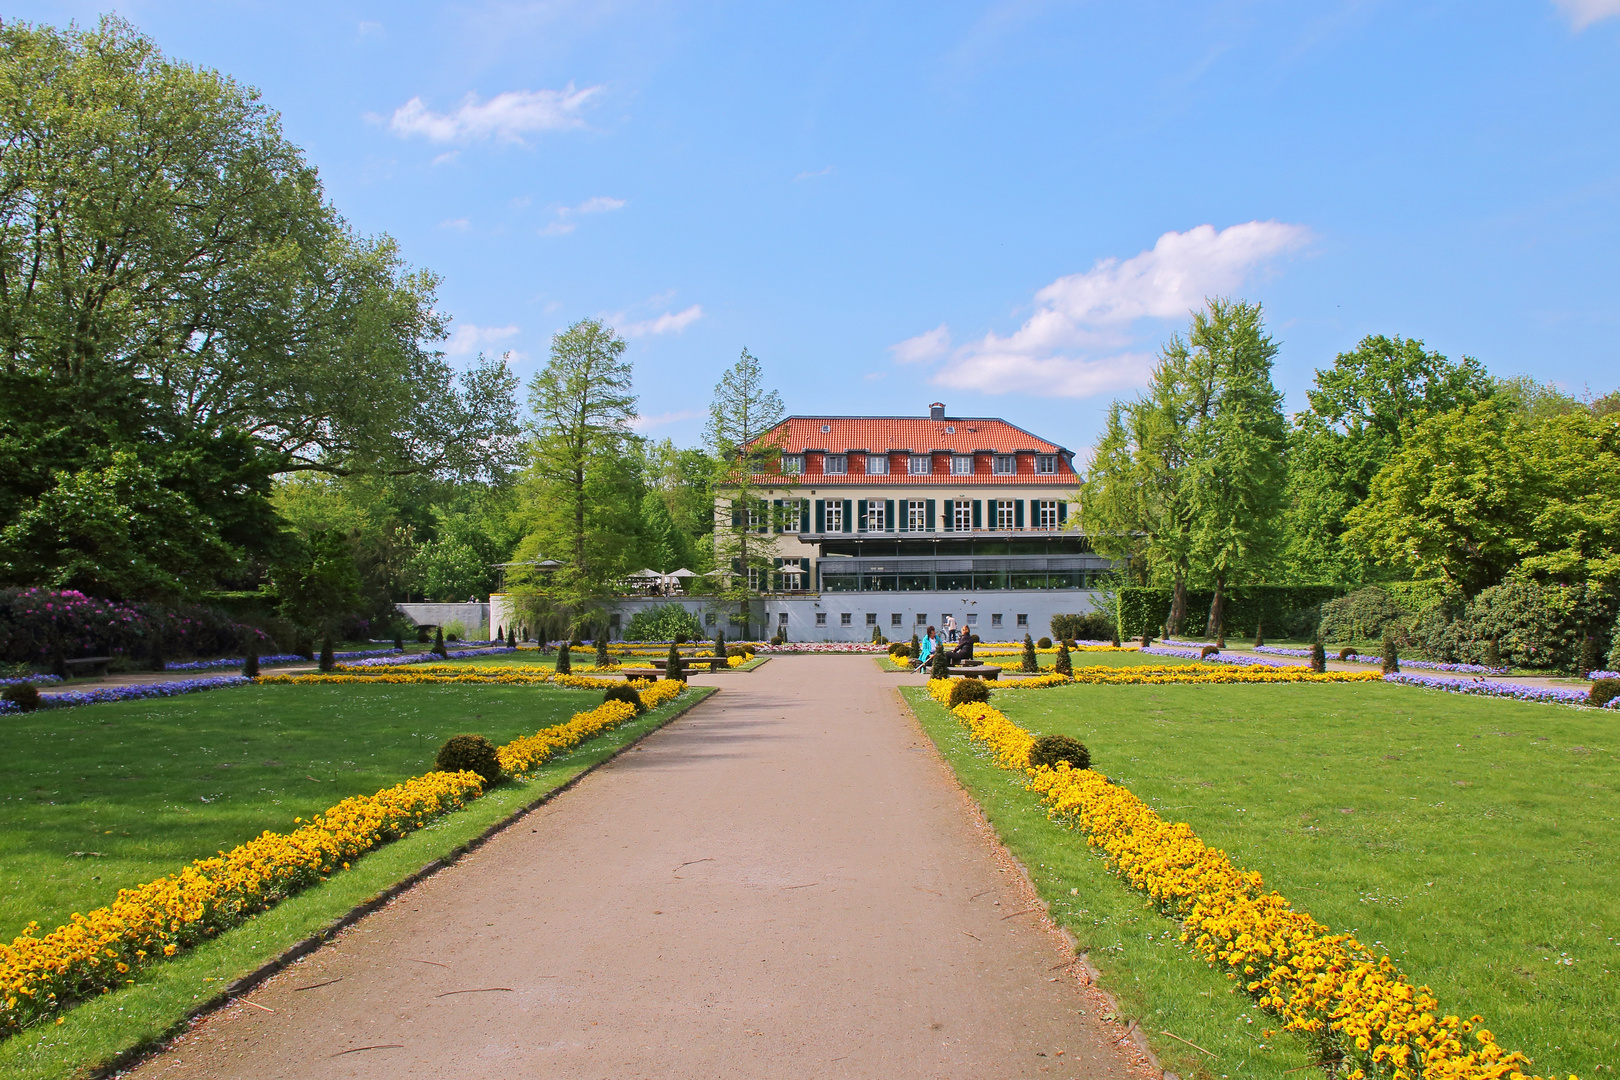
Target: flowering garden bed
155	827
1458	837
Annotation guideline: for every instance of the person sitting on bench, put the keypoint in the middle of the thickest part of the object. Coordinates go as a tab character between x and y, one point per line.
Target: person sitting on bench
929	644
963	653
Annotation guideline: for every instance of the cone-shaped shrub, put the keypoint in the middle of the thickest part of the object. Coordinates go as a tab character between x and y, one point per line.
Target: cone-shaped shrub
940	666
1392	658
438	642
511	638
601	648
672	664
1063	665
1318	657
327	661
1259	635
720	643
1029	664
564	665
250	662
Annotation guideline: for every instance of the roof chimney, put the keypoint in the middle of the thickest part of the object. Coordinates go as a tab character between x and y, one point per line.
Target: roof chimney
936	411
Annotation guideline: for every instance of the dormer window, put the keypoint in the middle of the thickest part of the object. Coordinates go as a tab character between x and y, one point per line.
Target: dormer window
1004	465
835	464
792	464
961	464
920	465
877	464
1046	464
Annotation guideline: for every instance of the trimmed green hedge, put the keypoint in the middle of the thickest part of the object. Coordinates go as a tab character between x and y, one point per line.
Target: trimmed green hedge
1145	607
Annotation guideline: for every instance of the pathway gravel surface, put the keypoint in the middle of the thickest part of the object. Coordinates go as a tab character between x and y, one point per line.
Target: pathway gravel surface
787	882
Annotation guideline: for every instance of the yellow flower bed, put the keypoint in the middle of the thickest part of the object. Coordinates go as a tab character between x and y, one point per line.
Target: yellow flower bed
97	952
1326	985
1183	673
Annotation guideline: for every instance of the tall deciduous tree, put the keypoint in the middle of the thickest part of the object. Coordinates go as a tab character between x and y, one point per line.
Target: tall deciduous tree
173	284
1360	410
1235	442
583	489
741	417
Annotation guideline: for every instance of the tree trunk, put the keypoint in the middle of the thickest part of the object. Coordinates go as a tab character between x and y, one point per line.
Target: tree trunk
1178	605
1217	607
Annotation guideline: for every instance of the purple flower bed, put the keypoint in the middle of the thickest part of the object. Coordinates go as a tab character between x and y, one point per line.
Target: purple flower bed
37	680
427	658
1603	675
1359	658
1217	658
1488	688
69	698
279	658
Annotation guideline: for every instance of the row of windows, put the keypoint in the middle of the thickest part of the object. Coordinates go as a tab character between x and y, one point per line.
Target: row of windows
896	619
919	464
913	515
963	581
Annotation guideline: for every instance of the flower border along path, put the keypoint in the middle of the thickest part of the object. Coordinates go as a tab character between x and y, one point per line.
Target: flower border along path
119	946
1365	1018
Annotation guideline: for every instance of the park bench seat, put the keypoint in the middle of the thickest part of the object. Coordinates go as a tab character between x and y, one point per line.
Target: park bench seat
88	665
977	671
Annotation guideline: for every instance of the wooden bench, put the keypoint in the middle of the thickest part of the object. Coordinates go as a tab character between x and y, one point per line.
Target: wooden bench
977	671
88	665
640	673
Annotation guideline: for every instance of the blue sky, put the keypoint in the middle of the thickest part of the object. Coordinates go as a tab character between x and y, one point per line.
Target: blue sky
1003	206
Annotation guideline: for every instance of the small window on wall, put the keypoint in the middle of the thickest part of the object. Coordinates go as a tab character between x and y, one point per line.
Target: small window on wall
961	464
781	618
1004	465
922	618
821	618
920	465
711	619
793	464
1048	514
1046	464
896	619
835	464
871	618
973	620
1023	620
877	464
835	516
1004	513
844	619
962	513
995	620
916	515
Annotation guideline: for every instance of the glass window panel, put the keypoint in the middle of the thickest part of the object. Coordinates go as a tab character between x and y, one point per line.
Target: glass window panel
835	465
877	464
962	465
920	465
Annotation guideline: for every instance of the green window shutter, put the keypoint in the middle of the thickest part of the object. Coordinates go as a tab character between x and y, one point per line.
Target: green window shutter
764	517
849	520
776	515
978	513
1018	513
804	515
928	515
861	524
736	517
950	515
888	516
1063	512
821	515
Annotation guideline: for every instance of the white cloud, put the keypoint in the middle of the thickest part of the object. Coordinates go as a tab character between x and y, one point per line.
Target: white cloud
812	175
1079	316
596	204
648	423
447	157
459	224
1583	13
468	338
370	28
667	323
507	117
931	345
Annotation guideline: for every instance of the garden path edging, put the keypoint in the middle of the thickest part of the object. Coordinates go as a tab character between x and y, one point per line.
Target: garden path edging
297	951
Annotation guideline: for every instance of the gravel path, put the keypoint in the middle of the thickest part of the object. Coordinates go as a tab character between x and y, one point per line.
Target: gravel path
787	882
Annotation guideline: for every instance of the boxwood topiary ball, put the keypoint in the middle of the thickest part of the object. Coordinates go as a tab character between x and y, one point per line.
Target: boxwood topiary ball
626	693
23	695
1603	691
964	691
1044	643
1051	749
470	753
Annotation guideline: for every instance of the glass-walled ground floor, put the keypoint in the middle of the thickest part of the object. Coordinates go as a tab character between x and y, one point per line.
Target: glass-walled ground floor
979	574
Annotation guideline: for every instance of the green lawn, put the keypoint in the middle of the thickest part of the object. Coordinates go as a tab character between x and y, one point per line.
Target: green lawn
99	1030
1474	839
105	796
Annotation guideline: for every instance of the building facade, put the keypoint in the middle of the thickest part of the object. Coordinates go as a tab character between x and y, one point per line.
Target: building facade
890	523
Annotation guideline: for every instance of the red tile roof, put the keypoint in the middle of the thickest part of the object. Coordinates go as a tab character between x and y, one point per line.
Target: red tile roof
876	434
